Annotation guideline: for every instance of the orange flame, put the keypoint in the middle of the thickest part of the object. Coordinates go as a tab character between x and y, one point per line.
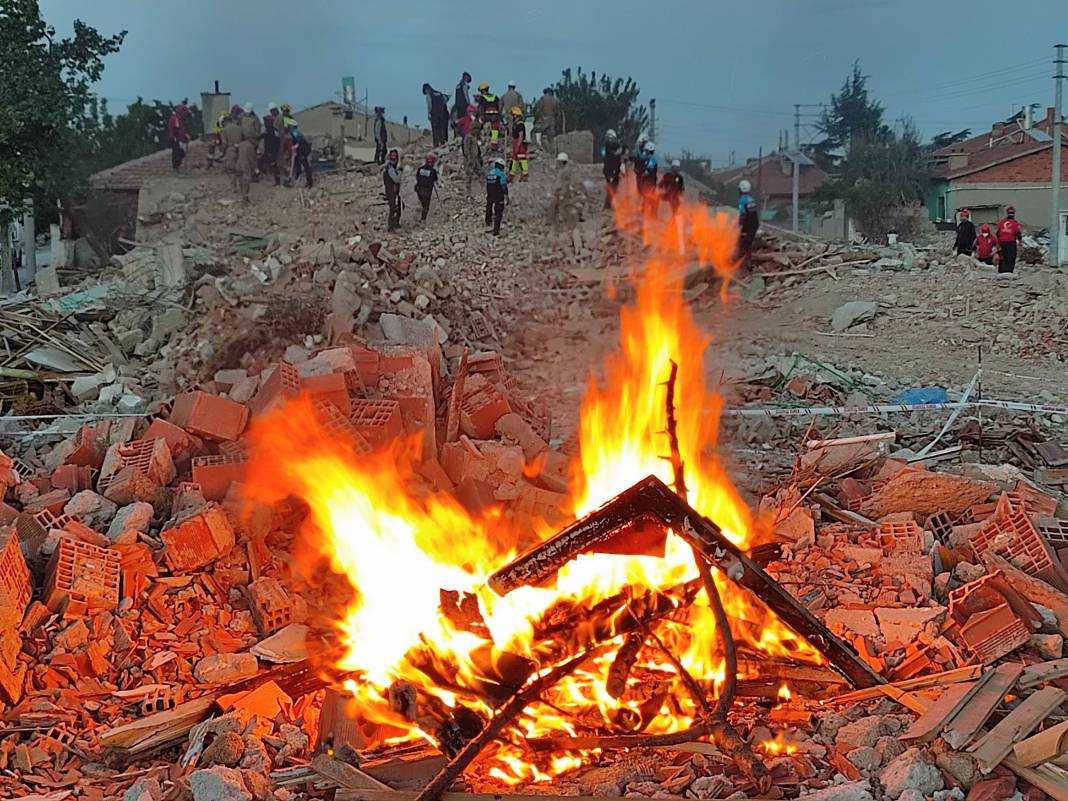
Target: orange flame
400	545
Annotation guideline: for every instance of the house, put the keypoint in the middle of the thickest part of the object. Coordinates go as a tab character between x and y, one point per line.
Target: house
1011	165
329	119
773	184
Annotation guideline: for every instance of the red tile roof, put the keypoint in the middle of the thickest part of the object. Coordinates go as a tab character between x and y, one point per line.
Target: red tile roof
130	176
773	181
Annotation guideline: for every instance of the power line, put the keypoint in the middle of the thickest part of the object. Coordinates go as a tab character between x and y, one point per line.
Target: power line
971	79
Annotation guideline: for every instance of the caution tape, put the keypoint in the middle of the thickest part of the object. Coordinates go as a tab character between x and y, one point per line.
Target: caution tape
890	408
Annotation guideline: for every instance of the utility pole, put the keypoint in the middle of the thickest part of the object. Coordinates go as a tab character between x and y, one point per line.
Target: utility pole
797	163
652	119
29	241
1055	184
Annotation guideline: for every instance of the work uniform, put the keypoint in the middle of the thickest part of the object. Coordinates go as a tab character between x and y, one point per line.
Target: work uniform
271	144
391	180
301	152
472	156
461	100
672	186
285	146
965	236
251	130
612	155
510	100
178	137
489	107
425	178
437	110
637	163
1009	233
381	139
496	196
546	112
647	185
748	223
985	248
519	149
231	137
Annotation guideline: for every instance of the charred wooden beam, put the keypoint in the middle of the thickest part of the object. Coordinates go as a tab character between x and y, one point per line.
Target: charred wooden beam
651	498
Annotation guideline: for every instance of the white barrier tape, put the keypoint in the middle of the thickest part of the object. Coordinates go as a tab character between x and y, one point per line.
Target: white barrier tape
889	408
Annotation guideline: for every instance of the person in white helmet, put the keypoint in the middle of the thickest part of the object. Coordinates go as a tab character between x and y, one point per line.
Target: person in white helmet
672	186
562	206
748	222
613	156
637	161
647	182
510	100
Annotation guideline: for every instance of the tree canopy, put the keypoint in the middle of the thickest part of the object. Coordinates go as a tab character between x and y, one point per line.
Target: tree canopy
44	101
850	118
596	103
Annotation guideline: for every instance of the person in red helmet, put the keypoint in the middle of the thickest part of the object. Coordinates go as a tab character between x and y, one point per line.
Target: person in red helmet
1008	235
425	179
965	233
986	246
177	135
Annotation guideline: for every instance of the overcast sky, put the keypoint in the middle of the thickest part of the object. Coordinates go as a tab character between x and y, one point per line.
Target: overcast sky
725	74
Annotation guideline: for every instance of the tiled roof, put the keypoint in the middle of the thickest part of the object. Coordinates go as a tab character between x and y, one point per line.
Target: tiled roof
130	176
773	181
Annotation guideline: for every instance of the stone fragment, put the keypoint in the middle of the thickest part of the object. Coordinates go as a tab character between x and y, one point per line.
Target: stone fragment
94	510
144	790
225	668
1048	646
218	784
849	314
134	519
862	732
226	749
913	770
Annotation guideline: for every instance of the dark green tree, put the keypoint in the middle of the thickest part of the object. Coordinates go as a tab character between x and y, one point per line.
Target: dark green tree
45	113
140	131
850	118
592	102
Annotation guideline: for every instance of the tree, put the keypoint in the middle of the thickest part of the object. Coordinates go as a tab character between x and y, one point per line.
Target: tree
45	104
851	118
140	131
597	103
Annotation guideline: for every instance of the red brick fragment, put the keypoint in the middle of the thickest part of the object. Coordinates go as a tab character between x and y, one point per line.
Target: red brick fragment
282	384
81	577
270	605
215	474
483	405
333	422
209	416
900	538
379	421
332	388
72	478
151	457
15	584
198	540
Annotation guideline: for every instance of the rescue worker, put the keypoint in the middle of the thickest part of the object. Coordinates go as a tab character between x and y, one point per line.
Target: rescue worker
1009	234
271	142
965	234
285	144
509	100
391	179
426	177
647	181
462	96
437	111
216	148
301	152
748	222
489	110
231	135
612	155
464	123
638	160
381	135
546	114
672	186
251	132
985	247
519	145
496	195
177	135
472	151
563	207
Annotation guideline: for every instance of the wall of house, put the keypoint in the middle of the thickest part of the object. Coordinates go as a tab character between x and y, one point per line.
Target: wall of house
1031	201
329	119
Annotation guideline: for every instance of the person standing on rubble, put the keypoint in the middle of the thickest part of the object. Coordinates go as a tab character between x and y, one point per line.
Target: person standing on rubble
177	135
637	161
462	98
472	151
464	123
613	154
965	242
748	223
231	135
391	180
1009	235
519	145
437	111
381	134
301	151
271	142
216	148
489	111
251	132
496	195
647	182
282	123
672	186
546	113
985	247
426	178
509	101
562	202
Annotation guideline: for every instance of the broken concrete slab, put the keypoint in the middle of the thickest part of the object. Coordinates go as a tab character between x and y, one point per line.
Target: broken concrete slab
849	314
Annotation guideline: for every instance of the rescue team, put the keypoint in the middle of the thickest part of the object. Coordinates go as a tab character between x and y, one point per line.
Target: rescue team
475	120
990	247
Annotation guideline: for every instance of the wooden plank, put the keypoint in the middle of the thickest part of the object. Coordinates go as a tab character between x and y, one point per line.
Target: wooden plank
1045	745
969	720
1033	589
157	729
919	683
998	742
906	699
927	726
1043	672
401	795
1050	779
345	775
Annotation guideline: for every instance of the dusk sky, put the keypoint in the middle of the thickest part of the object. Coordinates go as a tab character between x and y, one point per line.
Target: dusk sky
725	75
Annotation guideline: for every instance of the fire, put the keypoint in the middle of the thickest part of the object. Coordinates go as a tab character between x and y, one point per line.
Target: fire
401	547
